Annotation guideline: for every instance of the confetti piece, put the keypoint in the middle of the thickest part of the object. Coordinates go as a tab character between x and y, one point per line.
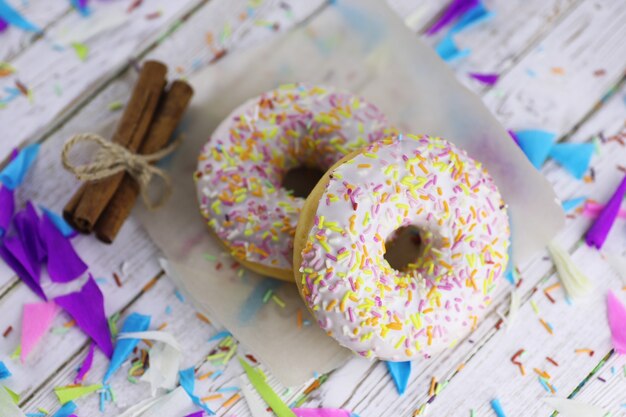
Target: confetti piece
14	18
574	203
174	403
86	365
574	408
4	371
400	372
6	69
513	309
452	12
71	393
64	264
449	51
487	79
598	232
574	157
81	50
115	105
592	209
220	335
187	382
576	284
7	209
472	17
232	400
14	173
267	393
497	407
81	7
87	308
616	313
536	144
37	320
66	411
124	346
165	358
8	408
59	222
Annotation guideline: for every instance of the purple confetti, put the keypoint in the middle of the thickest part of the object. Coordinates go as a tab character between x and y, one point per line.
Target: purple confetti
598	232
3	25
64	264
86	366
487	79
13	253
87	308
454	10
7	208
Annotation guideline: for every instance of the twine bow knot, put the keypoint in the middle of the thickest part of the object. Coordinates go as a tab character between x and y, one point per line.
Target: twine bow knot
112	158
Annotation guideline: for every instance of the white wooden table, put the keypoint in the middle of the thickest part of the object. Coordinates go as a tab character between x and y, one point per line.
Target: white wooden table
562	66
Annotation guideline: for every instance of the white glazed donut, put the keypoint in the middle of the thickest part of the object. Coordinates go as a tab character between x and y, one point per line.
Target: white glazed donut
343	276
241	168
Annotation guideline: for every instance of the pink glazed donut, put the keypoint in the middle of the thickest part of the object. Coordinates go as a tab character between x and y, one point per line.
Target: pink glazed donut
343	276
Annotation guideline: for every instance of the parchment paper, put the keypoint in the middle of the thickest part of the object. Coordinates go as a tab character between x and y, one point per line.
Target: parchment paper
361	46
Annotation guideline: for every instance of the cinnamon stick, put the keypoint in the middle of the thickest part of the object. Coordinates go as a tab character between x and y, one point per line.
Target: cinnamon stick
87	205
169	113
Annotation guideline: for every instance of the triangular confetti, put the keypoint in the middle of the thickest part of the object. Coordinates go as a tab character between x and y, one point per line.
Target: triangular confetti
36	322
14	173
574	157
267	393
448	51
573	204
71	393
598	232
87	308
124	347
400	372
617	322
536	144
4	371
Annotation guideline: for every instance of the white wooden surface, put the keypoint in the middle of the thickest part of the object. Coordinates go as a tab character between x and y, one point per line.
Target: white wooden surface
557	60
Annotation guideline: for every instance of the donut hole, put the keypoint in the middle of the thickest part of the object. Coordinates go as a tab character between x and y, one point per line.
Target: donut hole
301	180
403	247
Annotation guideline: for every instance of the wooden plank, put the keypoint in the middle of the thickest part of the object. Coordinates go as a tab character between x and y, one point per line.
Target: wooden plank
65	80
554	86
497	45
41	13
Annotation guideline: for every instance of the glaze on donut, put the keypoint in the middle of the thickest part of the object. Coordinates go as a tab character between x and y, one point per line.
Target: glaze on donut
355	295
241	168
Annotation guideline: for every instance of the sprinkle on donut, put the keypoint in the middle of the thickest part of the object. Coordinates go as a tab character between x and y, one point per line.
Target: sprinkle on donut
242	166
356	296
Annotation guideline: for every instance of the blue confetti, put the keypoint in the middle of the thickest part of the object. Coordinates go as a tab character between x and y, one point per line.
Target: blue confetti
574	157
187	381
497	407
59	222
66	411
4	371
536	144
220	335
400	372
13	174
574	203
124	347
14	18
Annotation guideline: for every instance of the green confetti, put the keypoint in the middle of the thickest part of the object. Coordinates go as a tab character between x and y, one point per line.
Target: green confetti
81	50
115	105
267	393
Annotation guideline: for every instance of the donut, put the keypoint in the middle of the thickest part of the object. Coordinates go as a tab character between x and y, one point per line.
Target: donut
241	168
339	251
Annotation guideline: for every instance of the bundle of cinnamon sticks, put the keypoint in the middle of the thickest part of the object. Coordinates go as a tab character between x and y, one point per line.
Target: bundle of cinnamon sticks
148	122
